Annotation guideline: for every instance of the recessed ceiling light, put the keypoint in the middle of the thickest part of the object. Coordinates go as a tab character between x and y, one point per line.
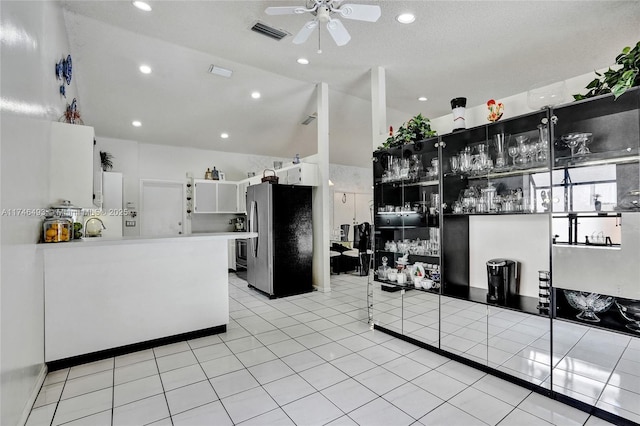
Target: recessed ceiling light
303	61
136	123
142	6
224	135
255	95
422	98
145	69
406	18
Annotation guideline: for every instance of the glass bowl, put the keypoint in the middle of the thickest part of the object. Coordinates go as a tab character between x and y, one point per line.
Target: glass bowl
589	304
630	310
545	94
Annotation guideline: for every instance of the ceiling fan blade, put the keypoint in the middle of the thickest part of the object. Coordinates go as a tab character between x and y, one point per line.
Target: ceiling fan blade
305	32
338	32
360	12
286	10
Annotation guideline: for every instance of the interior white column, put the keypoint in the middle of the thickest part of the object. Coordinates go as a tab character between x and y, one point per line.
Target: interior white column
321	195
379	128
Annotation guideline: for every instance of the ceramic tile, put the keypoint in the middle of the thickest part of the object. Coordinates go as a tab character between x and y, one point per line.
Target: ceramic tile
621	398
87	383
379	354
83	405
233	383
204	341
190	396
552	411
323	376
356	343
353	364
90	368
595	421
135	371
270	371
56	376
173	348
461	372
413	400
248	404
49	394
209	414
439	384
141	412
219	366
428	358
99	419
331	351
627	415
313	340
244	344
501	389
182	376
137	389
207	353
380	412
255	356
234	334
481	405
177	360
448	415
298	330
302	360
518	417
406	368
273	336
349	395
314	409
41	416
380	380
275	417
286	347
135	357
288	389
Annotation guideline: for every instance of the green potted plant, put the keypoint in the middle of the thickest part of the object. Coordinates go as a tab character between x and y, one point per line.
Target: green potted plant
617	81
416	129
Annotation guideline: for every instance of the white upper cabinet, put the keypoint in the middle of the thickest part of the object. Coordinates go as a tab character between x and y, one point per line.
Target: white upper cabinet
71	164
215	196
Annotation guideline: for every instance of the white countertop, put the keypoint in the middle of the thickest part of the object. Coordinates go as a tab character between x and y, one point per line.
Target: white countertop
102	241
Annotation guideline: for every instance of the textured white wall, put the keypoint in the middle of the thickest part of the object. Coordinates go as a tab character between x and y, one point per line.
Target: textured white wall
33	40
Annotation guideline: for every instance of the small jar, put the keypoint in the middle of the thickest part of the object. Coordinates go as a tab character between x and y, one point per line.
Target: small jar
57	229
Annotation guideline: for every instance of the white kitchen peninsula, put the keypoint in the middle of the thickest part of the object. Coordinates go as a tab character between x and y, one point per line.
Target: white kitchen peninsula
103	295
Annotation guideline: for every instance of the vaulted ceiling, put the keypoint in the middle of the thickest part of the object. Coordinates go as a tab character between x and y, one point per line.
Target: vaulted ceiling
477	49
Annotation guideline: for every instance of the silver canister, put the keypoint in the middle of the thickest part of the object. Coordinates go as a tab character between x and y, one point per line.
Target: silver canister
488	195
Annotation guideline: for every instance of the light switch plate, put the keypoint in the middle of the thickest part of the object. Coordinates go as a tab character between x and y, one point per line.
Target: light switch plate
130	223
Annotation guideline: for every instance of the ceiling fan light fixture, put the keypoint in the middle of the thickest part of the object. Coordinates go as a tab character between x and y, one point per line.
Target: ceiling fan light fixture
223	72
142	6
406	18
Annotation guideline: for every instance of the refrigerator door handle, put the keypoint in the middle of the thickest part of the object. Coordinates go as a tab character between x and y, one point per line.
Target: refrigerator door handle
254	226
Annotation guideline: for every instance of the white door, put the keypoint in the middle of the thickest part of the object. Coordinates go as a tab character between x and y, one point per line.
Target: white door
363	208
162	208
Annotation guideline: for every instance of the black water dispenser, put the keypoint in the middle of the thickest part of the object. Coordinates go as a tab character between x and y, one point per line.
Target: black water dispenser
502	276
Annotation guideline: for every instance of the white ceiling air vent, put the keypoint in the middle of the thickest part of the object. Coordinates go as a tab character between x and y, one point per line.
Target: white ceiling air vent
268	31
309	119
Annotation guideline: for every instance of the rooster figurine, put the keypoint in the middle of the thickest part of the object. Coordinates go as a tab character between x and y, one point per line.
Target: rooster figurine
495	110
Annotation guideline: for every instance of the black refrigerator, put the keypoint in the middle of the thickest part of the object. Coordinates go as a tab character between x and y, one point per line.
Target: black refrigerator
279	259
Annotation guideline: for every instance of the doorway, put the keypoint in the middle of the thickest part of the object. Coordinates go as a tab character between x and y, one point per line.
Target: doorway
161	208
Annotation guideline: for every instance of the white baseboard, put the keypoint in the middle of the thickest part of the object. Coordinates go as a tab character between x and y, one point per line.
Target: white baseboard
34	394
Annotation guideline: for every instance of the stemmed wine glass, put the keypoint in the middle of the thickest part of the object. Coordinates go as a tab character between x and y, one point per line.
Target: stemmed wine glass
513	152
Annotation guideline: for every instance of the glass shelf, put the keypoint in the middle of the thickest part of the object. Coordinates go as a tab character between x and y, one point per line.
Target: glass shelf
629	155
408	182
498	174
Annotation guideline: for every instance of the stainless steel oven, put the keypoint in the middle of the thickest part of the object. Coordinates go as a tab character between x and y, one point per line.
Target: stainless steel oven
241	253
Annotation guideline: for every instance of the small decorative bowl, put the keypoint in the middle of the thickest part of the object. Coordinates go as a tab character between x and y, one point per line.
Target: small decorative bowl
589	304
630	310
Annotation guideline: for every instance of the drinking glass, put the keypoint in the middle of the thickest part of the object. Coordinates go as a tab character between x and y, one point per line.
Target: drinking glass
454	161
513	152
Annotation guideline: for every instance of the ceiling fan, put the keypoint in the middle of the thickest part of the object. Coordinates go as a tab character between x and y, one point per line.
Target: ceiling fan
324	11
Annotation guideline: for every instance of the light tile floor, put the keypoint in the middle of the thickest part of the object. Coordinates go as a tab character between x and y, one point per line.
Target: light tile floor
310	359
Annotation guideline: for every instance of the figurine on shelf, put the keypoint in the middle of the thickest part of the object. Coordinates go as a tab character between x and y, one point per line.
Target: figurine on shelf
296	159
457	107
495	110
208	175
71	114
215	174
